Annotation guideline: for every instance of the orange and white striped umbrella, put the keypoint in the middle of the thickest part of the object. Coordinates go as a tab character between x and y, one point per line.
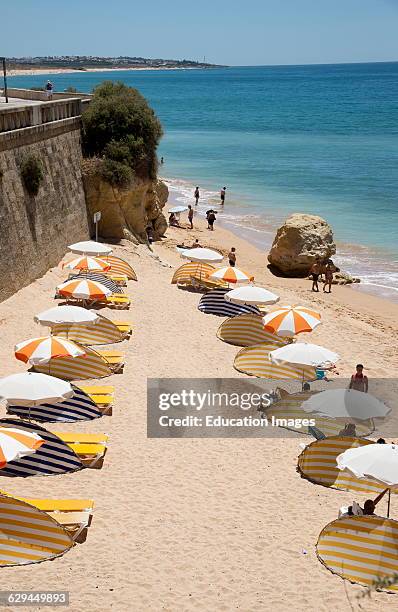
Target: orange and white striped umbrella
291	320
17	443
87	263
42	350
84	289
231	275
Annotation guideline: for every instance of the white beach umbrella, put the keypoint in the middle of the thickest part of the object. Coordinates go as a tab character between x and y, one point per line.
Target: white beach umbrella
203	255
178	209
66	314
251	295
346	403
378	462
90	247
17	443
303	353
33	389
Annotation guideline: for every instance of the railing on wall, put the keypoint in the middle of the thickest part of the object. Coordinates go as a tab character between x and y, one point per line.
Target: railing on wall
17	117
39	110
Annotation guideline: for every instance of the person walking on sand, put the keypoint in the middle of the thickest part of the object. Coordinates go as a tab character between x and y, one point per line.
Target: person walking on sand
49	90
196	195
223	190
315	271
190	215
359	381
232	257
329	269
211	217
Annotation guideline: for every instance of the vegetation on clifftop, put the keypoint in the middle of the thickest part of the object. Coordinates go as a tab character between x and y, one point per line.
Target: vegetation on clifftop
121	129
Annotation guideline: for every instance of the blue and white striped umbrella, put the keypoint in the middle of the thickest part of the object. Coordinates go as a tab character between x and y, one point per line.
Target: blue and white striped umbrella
80	407
214	303
53	457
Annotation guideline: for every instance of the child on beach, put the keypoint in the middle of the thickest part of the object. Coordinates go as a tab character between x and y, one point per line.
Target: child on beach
196	195
190	215
223	190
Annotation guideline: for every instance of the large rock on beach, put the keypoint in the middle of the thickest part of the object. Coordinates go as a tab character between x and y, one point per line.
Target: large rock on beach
300	241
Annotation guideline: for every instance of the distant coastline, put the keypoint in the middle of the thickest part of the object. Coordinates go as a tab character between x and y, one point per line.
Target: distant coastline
38	71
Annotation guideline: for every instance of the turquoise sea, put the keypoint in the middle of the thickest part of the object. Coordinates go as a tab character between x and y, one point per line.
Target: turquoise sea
320	139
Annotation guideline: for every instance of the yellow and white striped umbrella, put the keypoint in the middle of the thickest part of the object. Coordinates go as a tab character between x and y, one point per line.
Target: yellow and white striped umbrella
119	266
231	275
291	320
254	360
246	330
42	350
186	271
28	535
362	549
88	263
102	331
84	289
90	365
317	463
17	443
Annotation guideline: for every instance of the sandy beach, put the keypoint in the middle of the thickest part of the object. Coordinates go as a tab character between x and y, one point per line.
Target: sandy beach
182	524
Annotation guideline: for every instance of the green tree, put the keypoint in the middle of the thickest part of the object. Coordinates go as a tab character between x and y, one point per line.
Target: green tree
119	126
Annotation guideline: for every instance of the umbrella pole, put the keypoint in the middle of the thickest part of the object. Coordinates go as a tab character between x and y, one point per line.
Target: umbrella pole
388	504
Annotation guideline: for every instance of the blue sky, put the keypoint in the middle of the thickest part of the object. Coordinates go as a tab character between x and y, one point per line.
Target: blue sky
225	31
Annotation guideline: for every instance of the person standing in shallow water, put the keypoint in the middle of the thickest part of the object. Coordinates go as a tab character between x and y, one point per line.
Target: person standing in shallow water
222	195
211	217
196	195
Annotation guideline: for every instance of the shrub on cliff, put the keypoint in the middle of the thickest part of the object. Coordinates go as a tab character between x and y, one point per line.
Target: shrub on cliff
32	174
120	127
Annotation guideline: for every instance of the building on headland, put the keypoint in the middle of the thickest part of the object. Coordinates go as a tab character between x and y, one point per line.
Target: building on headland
35	230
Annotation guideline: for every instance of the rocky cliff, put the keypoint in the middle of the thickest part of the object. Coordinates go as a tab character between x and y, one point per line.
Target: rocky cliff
300	241
125	213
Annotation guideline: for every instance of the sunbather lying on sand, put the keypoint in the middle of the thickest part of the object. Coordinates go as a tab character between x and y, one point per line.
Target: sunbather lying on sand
367	510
